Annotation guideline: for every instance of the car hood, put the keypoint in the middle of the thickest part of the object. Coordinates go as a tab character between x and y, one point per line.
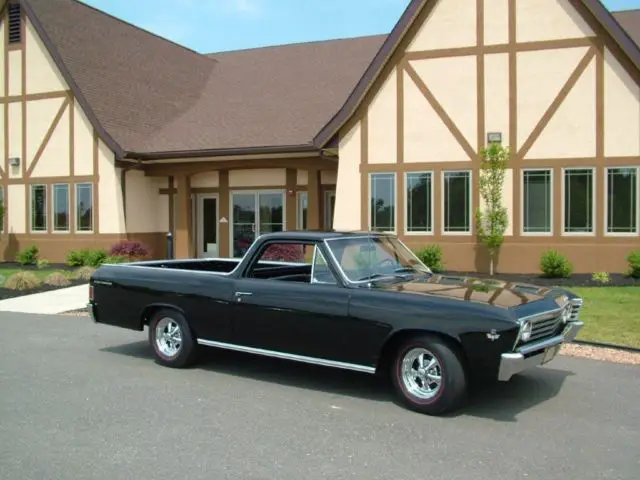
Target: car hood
494	292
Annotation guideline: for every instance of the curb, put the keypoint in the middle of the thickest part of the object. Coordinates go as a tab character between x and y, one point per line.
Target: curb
607	345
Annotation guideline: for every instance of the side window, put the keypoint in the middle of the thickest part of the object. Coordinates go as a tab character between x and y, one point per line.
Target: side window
321	273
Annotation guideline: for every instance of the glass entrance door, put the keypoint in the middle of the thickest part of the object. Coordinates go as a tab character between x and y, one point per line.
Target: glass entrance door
207	230
254	213
329	209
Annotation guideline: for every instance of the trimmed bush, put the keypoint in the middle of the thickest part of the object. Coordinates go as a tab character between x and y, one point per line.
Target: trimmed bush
95	258
57	279
83	273
129	249
555	265
634	264
28	256
22	281
43	263
431	256
284	253
600	277
87	257
115	259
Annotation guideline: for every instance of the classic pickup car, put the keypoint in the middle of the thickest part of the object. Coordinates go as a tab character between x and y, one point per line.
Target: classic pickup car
359	301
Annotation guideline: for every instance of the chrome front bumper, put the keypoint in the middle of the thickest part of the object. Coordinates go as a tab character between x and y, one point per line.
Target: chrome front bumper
537	353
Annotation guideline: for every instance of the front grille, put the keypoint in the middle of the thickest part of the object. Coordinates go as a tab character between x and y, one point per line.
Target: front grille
545	327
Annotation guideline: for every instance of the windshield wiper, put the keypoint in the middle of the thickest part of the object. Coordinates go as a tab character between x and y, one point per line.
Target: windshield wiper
373	276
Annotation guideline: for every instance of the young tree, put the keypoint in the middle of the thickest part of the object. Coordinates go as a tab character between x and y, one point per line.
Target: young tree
492	220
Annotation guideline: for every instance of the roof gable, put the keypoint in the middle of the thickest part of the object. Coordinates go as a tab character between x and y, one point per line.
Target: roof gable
600	13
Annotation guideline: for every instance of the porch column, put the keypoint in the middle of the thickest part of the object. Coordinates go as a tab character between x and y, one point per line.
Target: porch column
183	228
313	205
225	212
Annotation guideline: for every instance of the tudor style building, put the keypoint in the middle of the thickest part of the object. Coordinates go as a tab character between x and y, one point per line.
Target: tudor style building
113	133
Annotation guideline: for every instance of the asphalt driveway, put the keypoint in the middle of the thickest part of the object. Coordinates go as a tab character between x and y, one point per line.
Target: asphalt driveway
85	401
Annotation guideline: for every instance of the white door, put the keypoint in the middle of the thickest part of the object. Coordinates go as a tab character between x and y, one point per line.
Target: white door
207	229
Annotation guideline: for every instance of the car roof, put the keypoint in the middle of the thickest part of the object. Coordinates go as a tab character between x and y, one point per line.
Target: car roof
321	234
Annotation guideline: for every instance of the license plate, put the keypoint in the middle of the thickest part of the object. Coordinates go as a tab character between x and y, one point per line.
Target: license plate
550	353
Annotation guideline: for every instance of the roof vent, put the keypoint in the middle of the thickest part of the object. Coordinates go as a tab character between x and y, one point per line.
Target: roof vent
15	23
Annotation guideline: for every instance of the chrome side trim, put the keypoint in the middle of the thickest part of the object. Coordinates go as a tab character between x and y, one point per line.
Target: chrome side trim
288	356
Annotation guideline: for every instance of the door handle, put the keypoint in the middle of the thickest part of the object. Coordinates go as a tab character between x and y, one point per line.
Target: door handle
242	294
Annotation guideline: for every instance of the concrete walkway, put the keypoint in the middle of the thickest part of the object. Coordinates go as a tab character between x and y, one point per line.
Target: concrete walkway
56	301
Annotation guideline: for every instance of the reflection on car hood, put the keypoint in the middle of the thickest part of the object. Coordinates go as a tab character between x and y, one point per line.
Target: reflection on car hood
488	291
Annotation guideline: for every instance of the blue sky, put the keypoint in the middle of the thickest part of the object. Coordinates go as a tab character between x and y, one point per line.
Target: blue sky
217	25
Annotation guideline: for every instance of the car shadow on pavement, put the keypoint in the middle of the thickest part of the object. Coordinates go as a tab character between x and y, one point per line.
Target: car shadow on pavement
491	400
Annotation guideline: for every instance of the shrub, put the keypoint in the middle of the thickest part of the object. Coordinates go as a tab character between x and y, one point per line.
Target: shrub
77	258
43	263
555	265
284	253
129	249
634	263
431	256
95	258
115	259
57	279
22	281
84	273
28	256
600	277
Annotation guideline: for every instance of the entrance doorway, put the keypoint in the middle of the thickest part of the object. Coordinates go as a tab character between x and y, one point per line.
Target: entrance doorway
207	230
329	209
254	213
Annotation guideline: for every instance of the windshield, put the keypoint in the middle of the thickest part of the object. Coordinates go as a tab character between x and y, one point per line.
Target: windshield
368	257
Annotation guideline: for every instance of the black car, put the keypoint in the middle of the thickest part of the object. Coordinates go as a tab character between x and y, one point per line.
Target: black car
358	301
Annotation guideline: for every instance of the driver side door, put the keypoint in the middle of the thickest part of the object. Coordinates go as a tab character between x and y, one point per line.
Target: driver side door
294	319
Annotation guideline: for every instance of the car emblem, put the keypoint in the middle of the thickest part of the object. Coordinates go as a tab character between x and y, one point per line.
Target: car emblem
493	335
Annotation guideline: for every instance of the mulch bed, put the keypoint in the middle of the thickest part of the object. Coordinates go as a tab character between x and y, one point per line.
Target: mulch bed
6	293
576	280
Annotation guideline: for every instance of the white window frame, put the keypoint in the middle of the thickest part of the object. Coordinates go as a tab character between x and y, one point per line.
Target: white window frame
76	217
443	200
32	186
552	215
431	201
605	226
594	183
395	201
53	208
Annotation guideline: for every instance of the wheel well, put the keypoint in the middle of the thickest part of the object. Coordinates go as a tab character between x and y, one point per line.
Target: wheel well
150	310
397	338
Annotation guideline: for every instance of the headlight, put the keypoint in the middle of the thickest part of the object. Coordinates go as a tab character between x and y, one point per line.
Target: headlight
566	313
526	331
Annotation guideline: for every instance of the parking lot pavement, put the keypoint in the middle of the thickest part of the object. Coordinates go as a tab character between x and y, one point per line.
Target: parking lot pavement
79	400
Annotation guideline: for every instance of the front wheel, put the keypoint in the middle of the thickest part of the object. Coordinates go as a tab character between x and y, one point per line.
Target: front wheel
429	376
171	338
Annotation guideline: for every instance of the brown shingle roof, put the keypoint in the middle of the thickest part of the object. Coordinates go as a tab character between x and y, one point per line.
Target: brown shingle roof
152	95
630	21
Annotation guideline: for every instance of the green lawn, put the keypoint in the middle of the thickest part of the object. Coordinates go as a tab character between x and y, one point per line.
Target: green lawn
610	315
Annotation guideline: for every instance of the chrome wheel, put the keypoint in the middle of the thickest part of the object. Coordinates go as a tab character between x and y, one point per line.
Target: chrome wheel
168	337
421	373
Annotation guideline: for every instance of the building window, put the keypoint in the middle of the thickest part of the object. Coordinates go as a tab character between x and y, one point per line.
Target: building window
457	202
84	207
622	200
303	203
419	202
383	202
15	23
537	203
578	200
61	208
38	208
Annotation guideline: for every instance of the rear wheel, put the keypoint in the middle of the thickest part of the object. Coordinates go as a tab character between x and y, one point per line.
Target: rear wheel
171	338
428	375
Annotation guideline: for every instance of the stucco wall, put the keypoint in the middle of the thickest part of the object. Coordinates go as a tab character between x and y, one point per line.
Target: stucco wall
556	111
